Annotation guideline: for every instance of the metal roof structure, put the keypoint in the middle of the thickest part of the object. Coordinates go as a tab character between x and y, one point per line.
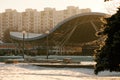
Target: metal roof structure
80	28
28	36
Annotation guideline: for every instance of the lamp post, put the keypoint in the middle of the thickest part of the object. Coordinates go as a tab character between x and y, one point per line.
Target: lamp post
23	32
47	32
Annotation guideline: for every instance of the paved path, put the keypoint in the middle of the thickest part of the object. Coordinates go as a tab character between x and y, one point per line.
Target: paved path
25	71
61	65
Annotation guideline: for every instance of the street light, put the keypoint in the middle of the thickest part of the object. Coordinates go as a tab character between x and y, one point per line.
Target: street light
23	32
47	32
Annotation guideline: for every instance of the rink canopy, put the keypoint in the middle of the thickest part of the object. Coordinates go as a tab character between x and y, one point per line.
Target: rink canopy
77	29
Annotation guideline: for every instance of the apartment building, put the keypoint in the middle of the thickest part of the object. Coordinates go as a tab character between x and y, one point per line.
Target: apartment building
35	21
1	28
9	19
70	11
58	17
47	19
19	22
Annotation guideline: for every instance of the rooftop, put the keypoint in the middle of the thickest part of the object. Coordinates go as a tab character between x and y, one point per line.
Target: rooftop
28	36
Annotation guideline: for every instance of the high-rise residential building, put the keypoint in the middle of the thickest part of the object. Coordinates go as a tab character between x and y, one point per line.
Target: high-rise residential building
70	11
58	17
28	20
9	18
1	28
47	19
84	10
36	21
19	21
31	20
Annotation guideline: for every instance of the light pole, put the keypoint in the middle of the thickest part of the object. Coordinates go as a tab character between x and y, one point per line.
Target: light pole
47	32
23	32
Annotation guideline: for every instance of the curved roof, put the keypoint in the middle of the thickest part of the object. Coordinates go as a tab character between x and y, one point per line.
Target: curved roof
76	16
76	29
27	37
80	28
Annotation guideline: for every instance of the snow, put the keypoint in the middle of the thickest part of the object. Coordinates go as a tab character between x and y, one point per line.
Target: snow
25	71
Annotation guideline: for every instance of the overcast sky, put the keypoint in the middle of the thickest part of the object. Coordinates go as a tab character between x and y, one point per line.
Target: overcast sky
21	5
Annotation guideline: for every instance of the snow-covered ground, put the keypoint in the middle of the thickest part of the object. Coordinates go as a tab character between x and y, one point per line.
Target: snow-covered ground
23	71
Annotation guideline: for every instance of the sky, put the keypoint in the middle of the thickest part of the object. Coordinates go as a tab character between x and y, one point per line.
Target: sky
21	5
